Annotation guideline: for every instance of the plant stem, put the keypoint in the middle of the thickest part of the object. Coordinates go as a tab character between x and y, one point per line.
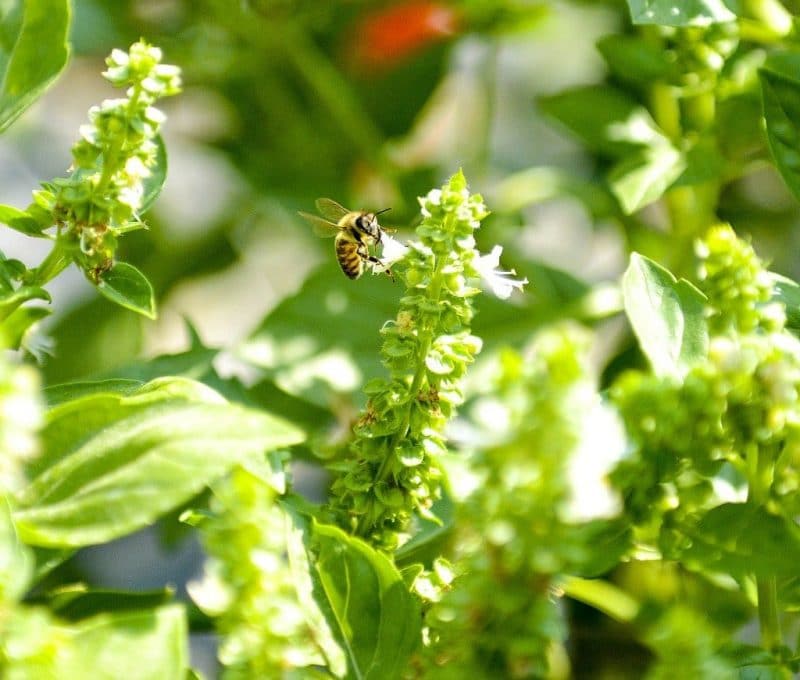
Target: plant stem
771	14
760	467
56	261
768	618
691	208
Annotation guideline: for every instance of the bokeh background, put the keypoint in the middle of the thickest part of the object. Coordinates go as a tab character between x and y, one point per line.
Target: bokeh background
370	103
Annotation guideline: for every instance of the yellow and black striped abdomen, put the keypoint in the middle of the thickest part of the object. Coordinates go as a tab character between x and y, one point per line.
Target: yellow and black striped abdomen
350	261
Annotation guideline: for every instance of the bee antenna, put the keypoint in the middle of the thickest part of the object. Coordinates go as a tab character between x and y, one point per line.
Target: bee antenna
382	211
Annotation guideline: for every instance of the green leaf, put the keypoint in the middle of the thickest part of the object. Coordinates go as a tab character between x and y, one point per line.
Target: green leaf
375	614
368	608
114	463
754	663
20	220
683	13
129	288
302	413
16	559
643	177
19	322
154	182
47	559
10	271
11	301
318	613
196	363
314	365
741	538
33	50
704	163
426	543
148	645
606	120
598	545
780	94
636	60
57	394
77	603
667	316
788	292
302	361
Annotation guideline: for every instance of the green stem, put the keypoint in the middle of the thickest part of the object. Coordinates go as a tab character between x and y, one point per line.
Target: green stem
768	618
691	208
760	466
771	14
489	81
57	260
666	110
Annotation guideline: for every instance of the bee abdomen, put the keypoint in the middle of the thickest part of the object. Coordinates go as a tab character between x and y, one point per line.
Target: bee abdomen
349	260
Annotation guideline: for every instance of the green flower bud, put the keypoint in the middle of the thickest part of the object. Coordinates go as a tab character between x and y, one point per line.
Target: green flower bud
736	284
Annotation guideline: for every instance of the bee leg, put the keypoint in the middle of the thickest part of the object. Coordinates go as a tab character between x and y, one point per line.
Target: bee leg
374	260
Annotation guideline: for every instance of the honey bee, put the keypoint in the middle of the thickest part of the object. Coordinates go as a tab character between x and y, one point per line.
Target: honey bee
355	232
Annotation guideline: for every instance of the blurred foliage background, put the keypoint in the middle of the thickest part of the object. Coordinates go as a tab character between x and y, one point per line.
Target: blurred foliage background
370	103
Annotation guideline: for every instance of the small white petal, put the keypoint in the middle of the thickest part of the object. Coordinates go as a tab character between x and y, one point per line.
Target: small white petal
434	196
392	250
499	282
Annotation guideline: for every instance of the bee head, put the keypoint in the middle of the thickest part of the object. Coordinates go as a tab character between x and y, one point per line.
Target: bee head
368	224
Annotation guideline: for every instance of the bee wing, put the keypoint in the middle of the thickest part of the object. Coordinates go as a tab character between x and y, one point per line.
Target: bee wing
331	210
321	227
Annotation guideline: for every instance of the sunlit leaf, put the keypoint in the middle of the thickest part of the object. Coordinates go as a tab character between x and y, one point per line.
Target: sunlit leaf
636	59
367	606
129	288
683	13
17	325
787	292
607	120
642	178
56	394
667	316
313	365
113	463
11	301
154	182
149	645
20	220
16	560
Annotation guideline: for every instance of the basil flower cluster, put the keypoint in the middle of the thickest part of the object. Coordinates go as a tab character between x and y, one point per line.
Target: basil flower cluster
737	407
737	285
112	162
248	586
516	531
392	471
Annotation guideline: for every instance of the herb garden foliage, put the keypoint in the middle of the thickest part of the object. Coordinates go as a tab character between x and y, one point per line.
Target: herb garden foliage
647	502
